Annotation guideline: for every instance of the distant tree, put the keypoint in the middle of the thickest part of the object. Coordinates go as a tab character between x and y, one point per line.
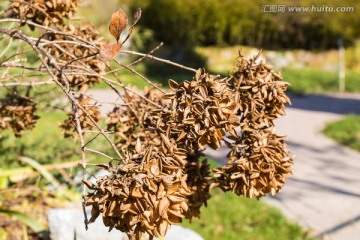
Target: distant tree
212	22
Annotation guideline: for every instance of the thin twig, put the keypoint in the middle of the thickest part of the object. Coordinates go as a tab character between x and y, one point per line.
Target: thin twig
50	30
7	47
160	60
83	156
137	61
146	55
10	64
100	153
141	76
107	80
30	84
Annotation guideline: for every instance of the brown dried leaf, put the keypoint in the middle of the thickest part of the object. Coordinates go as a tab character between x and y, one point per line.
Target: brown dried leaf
109	51
118	23
89	184
173	85
163	227
163	206
95	212
173	188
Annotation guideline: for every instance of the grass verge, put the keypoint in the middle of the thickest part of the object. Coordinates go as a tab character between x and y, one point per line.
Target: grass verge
308	80
45	144
345	131
233	217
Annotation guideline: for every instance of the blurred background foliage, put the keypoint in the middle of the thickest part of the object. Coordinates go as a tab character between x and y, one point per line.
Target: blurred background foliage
231	22
191	28
203	33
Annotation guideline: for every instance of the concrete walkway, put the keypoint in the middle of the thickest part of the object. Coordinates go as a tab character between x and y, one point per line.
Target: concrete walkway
324	193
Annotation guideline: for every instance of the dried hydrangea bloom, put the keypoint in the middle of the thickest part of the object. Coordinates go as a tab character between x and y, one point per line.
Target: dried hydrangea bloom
131	121
142	196
198	181
259	91
202	110
43	12
162	178
258	164
17	113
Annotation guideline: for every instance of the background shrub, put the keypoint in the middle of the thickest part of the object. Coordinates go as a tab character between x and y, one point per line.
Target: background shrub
227	22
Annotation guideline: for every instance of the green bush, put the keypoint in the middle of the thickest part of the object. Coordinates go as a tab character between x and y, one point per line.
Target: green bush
213	22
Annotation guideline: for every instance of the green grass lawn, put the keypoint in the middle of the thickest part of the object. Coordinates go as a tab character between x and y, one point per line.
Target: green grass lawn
41	143
308	80
233	217
45	144
345	131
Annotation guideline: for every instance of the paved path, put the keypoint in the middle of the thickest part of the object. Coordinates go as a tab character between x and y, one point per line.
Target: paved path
324	193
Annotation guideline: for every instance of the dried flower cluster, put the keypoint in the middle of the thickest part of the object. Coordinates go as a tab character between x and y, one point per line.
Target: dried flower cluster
17	113
130	122
258	162
202	110
92	111
198	180
149	191
44	12
142	197
74	58
162	178
260	92
152	188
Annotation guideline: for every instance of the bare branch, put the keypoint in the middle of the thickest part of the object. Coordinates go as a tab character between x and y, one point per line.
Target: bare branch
140	75
19	35
160	60
50	30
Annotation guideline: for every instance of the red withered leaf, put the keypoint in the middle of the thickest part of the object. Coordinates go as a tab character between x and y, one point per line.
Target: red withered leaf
109	51
118	22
